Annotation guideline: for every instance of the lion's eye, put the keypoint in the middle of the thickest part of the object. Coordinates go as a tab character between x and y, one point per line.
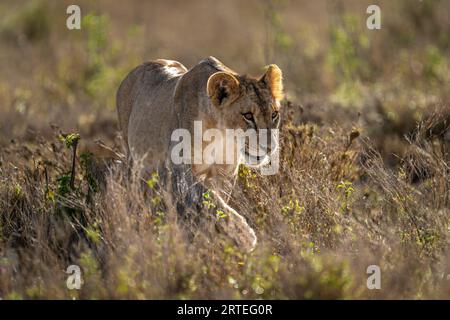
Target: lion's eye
275	115
248	116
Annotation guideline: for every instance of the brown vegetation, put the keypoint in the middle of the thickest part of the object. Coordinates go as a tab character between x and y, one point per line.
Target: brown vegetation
364	175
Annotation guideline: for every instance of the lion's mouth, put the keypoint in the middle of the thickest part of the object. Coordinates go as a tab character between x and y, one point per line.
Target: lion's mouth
254	160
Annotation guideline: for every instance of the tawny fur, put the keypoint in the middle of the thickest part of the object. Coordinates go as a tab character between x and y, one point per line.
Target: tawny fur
160	96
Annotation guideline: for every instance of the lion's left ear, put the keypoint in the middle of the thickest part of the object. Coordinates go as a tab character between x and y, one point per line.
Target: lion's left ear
273	79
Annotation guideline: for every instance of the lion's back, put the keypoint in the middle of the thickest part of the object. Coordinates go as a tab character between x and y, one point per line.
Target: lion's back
145	106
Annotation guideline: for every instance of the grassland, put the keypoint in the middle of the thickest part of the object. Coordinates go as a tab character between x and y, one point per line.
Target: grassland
364	176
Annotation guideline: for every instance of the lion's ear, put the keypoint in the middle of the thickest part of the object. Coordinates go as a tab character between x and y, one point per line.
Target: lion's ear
222	87
273	79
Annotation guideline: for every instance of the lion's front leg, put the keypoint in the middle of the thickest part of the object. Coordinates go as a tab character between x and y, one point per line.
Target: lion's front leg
236	227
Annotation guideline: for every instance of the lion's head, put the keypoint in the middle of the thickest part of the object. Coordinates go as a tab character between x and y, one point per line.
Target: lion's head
251	105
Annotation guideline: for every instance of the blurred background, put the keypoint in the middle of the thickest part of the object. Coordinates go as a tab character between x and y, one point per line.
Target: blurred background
334	67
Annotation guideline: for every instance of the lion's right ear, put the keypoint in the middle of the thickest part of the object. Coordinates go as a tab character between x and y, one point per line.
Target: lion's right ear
222	88
273	79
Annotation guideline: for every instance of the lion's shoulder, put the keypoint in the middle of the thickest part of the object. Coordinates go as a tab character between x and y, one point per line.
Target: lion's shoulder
215	64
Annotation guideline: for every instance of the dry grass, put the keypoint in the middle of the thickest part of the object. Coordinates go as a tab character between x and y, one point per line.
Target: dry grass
364	175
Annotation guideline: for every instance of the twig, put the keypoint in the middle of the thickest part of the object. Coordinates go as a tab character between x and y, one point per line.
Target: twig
74	156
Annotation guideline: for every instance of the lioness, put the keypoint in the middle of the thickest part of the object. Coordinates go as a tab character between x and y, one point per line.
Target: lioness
160	96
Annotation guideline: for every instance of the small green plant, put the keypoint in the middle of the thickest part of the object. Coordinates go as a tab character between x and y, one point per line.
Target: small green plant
207	200
18	190
293	206
247	176
346	188
64	184
71	142
220	214
93	232
160	216
153	181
